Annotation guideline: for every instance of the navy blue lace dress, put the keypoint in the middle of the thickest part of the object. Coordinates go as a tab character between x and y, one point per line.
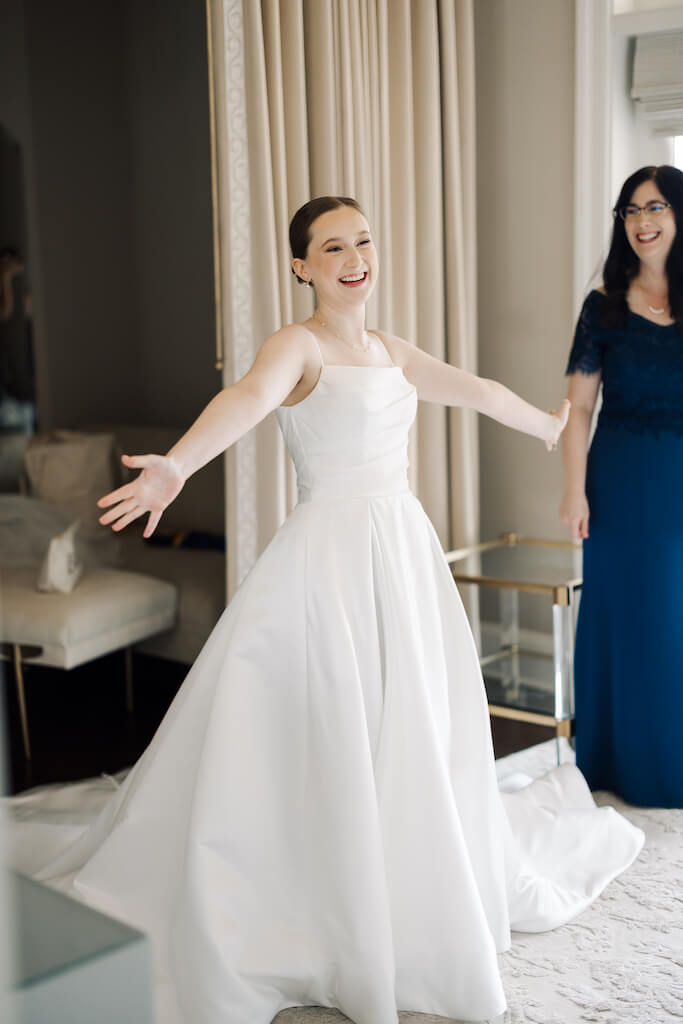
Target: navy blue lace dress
629	643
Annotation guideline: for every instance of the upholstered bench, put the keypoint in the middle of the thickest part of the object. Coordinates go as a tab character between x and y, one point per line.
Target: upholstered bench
108	610
71	470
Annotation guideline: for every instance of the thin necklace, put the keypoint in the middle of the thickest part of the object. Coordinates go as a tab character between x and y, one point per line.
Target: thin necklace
653	309
323	323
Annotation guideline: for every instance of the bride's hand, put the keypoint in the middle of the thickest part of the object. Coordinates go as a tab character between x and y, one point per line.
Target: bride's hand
559	419
151	491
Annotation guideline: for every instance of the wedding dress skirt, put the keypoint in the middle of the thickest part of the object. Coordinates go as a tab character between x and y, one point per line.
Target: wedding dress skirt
317	820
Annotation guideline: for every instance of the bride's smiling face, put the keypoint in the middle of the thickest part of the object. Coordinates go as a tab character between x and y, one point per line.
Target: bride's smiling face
341	259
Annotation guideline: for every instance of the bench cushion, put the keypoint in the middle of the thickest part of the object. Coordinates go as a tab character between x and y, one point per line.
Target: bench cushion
108	609
200	579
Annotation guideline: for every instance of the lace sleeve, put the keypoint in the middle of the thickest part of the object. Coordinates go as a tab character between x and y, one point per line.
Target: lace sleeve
586	353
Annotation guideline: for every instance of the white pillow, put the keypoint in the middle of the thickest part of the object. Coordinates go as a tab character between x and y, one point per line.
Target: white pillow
74	469
26	527
62	567
71	469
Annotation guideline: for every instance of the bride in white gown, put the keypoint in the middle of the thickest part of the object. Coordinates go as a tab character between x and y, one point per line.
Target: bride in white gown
317	820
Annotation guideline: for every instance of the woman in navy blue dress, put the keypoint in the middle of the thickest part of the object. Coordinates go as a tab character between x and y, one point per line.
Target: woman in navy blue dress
625	499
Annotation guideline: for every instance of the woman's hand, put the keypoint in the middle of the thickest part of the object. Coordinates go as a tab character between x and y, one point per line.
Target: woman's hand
574	513
151	491
280	364
559	419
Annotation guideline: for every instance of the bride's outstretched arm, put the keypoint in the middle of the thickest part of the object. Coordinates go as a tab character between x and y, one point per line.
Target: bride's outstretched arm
278	367
444	384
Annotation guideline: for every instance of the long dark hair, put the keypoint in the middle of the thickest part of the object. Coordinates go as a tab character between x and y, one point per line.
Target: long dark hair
622	264
300	224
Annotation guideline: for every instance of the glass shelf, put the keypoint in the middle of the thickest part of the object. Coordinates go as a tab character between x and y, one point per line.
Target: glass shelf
523	681
72	963
526	564
523	684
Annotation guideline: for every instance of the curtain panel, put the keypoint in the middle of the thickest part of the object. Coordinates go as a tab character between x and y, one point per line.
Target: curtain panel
372	99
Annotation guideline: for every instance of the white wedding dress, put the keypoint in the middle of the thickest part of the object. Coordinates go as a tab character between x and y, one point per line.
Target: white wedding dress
317	820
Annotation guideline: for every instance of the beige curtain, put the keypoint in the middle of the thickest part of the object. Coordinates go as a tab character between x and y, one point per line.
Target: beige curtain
368	98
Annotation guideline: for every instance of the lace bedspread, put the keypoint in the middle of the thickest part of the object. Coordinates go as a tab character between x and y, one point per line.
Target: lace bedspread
619	962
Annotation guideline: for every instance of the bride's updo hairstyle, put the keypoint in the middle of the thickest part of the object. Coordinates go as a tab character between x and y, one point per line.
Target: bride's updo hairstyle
300	224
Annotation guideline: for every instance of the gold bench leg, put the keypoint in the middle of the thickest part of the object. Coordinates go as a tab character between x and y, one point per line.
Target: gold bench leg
19	679
128	654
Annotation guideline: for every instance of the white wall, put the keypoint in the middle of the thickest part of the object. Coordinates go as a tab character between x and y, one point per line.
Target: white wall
524	82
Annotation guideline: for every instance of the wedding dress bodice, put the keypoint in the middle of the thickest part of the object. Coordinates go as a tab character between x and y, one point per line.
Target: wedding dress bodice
349	436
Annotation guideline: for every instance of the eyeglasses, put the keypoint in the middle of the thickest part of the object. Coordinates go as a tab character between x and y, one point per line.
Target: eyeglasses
655	208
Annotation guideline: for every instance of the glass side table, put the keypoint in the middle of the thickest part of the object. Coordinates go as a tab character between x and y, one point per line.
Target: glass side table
527	685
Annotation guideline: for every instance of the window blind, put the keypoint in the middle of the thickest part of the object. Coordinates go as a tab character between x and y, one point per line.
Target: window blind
657	84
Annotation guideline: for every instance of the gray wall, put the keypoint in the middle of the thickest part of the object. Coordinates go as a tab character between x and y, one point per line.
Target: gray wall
171	175
83	200
525	109
111	104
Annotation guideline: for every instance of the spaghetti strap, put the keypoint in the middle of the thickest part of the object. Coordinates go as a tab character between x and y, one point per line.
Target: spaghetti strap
317	345
376	335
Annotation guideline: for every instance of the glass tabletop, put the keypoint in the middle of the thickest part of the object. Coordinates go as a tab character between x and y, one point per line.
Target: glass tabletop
54	933
523	682
515	560
72	963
